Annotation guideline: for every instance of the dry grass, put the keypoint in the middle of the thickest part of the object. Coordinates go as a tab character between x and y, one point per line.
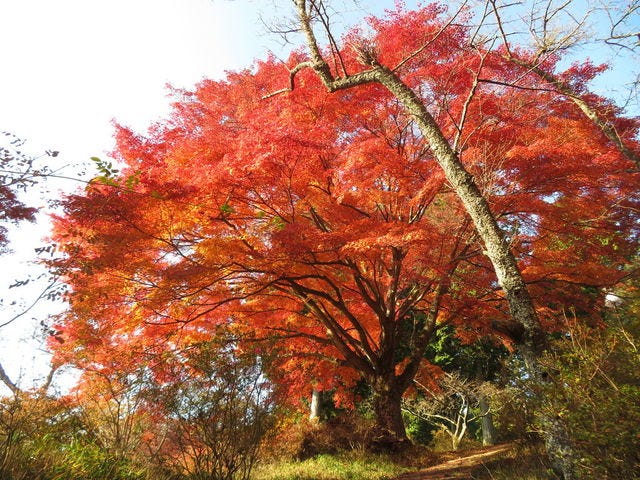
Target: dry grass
520	463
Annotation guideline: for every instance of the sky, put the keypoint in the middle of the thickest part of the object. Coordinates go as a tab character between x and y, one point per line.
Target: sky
72	67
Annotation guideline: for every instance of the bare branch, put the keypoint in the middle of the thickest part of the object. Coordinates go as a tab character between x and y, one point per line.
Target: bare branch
549	41
7	381
467	102
40	296
590	112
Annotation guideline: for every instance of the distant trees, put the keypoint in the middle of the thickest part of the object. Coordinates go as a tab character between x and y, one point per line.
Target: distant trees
460	400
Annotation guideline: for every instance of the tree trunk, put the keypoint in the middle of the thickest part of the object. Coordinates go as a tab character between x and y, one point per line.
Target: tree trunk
458	435
315	408
496	247
390	434
489	436
557	440
559	447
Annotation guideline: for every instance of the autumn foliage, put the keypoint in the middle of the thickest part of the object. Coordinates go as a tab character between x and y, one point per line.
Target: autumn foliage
319	225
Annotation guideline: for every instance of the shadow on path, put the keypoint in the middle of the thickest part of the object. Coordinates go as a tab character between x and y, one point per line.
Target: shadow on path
460	468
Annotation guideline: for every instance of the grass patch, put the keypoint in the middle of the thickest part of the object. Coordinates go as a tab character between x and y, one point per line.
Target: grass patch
526	462
344	466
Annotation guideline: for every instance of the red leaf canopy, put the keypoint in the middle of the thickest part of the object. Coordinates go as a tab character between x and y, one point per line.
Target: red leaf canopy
322	221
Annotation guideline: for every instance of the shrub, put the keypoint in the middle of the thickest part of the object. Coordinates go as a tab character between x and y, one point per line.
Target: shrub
219	415
595	387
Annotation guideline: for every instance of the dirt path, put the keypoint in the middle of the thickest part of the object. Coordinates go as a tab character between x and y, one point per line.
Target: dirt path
461	467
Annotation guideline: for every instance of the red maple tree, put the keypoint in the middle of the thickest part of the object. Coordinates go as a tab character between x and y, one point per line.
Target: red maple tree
321	221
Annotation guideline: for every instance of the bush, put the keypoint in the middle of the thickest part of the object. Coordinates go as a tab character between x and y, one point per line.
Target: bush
218	416
595	388
514	411
82	460
297	438
32	427
419	430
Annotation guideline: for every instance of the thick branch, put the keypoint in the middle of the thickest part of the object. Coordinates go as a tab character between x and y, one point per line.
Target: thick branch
354	352
7	381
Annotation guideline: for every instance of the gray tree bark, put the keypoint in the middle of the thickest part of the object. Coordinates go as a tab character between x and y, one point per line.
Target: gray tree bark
590	112
489	434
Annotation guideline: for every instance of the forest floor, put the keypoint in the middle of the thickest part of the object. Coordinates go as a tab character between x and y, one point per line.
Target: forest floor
461	465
